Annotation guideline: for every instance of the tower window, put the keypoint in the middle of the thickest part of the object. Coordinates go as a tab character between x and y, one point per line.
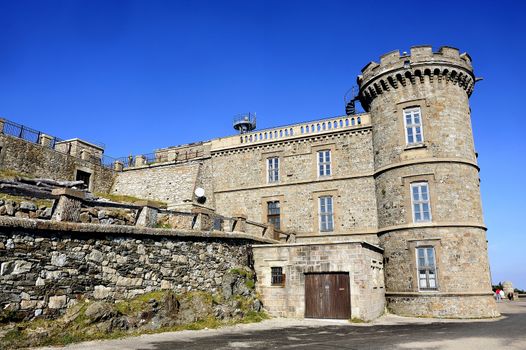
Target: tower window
273	169
324	163
413	126
273	214
427	277
420	202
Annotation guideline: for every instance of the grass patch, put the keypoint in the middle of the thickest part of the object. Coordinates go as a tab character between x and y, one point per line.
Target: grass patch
357	320
127	199
7	174
39	202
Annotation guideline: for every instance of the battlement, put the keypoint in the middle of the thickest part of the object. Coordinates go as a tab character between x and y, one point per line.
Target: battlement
418	55
421	65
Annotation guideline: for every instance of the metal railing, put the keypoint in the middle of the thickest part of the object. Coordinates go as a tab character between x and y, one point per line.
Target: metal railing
169	156
23	132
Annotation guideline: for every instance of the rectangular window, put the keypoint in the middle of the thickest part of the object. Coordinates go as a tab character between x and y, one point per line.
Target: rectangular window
273	214
273	169
277	276
420	202
326	214
324	163
427	274
413	126
84	177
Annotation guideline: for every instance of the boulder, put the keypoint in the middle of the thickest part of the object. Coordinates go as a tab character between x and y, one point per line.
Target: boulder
28	206
100	311
57	302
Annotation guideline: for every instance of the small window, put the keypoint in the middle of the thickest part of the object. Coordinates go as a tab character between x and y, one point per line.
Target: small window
420	202
277	278
326	214
273	169
84	177
324	163
301	129
273	214
413	126
427	274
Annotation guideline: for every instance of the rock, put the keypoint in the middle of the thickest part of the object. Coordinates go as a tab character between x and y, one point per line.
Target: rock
84	217
102	214
58	259
38	312
28	206
57	302
257	305
46	213
28	304
6	268
33	215
25	296
10	244
95	221
1	202
40	282
99	311
22	215
101	292
3	210
166	284
10	209
96	256
21	266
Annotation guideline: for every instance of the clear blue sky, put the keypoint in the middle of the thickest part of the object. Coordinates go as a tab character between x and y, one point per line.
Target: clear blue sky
140	75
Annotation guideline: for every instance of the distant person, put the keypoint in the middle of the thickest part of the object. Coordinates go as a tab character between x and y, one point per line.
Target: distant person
497	295
510	296
502	295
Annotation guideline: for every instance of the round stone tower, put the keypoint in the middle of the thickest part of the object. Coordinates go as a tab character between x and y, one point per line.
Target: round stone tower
427	183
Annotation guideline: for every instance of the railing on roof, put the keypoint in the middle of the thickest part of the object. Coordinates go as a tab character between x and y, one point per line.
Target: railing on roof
23	132
317	126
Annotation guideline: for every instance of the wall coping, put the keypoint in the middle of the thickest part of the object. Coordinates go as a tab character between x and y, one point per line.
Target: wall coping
362	243
97	229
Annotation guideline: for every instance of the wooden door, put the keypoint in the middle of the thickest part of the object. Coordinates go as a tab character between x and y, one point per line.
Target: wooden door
327	295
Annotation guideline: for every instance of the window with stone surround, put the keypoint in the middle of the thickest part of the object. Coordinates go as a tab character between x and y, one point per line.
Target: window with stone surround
273	169
324	163
413	126
426	268
326	214
277	278
274	214
420	202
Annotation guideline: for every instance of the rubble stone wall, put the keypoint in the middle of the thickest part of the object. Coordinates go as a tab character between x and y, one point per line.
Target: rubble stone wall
44	272
35	160
167	183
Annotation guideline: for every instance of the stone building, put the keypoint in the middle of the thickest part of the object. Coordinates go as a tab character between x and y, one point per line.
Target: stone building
385	205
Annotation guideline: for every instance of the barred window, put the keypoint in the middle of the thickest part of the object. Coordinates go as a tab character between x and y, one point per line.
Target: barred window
273	214
413	126
273	169
277	276
427	279
324	163
420	201
326	214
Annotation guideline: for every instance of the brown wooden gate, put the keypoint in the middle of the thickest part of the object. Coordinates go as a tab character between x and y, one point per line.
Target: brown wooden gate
327	295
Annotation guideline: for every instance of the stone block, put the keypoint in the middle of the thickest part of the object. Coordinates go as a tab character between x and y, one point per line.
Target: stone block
57	302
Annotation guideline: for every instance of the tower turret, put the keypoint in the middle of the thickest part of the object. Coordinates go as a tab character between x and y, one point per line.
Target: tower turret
427	185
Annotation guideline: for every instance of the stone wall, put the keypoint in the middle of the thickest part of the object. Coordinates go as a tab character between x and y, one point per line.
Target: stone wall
362	261
35	160
173	184
43	272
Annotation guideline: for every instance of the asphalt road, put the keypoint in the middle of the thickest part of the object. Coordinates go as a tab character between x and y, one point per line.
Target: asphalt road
390	332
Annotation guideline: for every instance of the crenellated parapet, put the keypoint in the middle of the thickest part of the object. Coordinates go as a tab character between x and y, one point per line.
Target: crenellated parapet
396	71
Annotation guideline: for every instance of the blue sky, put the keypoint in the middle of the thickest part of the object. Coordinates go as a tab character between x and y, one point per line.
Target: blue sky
141	75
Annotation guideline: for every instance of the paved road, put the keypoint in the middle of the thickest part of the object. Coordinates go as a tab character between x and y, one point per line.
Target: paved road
390	332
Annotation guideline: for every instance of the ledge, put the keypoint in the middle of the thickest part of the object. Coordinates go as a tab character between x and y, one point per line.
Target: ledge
437	294
100	230
420	161
413	226
362	243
